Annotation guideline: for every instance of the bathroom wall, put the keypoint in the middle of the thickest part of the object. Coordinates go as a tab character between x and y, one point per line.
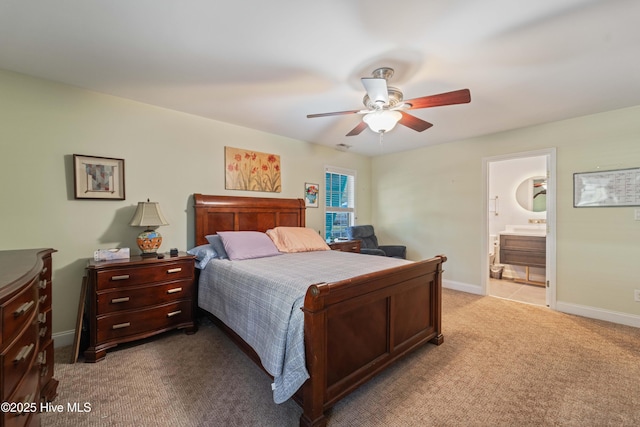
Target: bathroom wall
504	178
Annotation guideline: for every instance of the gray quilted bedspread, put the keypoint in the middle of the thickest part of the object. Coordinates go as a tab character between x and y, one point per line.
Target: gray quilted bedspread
260	299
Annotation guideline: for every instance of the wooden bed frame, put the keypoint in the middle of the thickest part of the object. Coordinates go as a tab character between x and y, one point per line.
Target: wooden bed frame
354	328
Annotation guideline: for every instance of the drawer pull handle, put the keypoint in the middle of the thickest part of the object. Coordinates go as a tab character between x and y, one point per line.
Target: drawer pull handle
174	290
42	358
42	284
44	271
42	317
121	325
122	277
23	309
43	331
119	300
44	371
24	353
174	313
43	298
174	270
26	402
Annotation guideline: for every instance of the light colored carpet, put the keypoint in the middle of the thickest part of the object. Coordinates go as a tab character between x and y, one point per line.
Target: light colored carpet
503	363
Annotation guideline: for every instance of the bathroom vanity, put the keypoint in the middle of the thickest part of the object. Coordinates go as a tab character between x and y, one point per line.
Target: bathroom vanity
526	248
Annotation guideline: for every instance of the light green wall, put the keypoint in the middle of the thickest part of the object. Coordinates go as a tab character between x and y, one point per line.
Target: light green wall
431	199
168	157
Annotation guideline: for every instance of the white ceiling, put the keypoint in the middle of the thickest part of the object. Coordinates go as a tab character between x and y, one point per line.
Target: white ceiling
267	64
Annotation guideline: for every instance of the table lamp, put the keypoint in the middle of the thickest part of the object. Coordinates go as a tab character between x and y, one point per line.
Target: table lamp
148	215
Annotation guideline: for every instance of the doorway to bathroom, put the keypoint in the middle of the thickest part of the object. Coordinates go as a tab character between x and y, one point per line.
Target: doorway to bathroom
519	255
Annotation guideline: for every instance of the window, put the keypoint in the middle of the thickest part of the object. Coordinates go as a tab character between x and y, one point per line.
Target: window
340	209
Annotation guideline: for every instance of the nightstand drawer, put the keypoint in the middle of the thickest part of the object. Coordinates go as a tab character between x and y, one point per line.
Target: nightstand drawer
346	246
143	296
168	316
120	277
18	311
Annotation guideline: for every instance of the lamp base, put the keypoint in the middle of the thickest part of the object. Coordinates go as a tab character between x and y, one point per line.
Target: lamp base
149	254
149	242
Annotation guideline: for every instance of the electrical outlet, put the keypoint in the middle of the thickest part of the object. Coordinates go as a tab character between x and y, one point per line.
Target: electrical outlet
636	295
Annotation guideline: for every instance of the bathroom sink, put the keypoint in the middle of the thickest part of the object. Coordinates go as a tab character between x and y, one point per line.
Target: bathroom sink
526	229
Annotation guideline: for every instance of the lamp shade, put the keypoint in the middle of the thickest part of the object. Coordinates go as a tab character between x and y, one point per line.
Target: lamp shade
148	214
382	120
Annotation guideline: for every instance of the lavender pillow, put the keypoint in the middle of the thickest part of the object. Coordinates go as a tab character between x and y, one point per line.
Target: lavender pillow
247	244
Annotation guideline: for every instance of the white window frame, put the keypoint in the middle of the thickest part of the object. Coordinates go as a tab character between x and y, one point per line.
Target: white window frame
351	208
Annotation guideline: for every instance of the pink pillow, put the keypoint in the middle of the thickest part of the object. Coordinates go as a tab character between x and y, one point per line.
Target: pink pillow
247	244
297	239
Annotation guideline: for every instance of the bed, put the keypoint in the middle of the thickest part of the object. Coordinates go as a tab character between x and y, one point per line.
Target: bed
389	313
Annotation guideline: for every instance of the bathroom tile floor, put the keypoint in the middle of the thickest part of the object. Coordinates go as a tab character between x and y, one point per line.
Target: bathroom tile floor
504	288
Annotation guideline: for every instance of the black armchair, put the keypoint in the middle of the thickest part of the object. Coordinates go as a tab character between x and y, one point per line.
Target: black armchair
369	242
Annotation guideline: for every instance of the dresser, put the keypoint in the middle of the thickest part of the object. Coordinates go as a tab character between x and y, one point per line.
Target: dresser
26	345
346	246
136	298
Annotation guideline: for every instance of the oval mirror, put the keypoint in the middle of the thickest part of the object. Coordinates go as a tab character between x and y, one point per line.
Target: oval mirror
531	194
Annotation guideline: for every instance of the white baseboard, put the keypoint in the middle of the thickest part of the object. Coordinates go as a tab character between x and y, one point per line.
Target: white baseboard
464	287
563	307
599	313
63	339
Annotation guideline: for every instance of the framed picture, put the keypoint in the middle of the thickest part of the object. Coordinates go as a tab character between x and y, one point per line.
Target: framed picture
251	170
98	177
311	194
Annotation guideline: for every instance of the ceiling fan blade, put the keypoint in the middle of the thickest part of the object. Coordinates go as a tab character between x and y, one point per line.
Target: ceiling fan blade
376	89
461	96
413	122
358	129
335	113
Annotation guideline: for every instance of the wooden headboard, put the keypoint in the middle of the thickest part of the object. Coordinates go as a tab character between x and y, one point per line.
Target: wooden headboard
230	213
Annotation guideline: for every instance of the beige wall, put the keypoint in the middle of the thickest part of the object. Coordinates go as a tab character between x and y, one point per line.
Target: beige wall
168	157
431	199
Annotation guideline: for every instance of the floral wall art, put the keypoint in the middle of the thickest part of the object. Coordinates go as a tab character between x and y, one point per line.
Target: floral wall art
252	170
311	194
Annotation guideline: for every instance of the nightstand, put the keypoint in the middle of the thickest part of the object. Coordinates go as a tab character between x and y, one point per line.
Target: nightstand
135	298
346	246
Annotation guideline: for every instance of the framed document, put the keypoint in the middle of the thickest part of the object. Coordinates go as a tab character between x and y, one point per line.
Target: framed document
607	188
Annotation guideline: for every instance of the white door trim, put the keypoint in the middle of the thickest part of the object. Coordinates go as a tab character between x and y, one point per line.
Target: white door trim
550	154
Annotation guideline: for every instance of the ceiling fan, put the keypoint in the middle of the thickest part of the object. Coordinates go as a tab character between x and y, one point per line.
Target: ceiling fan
385	106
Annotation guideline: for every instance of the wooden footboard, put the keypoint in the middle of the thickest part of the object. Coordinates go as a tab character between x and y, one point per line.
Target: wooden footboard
357	327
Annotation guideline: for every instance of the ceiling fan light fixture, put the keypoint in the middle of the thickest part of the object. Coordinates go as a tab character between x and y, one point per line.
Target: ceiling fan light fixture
382	121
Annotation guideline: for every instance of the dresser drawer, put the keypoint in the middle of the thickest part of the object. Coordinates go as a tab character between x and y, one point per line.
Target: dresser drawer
129	276
26	393
19	357
18	311
44	325
45	362
119	325
143	296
